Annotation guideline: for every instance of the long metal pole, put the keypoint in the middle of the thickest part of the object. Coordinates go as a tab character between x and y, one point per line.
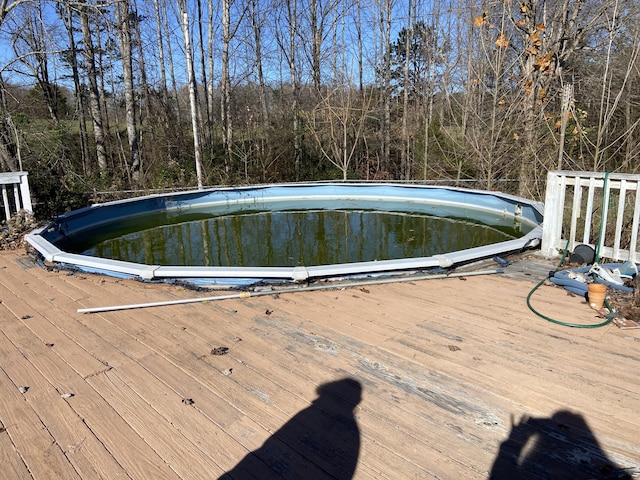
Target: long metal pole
308	288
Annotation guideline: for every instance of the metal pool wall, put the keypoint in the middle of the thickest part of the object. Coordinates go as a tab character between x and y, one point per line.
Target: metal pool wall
492	208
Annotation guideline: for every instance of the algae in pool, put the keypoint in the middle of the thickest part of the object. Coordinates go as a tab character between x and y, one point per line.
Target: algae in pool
291	238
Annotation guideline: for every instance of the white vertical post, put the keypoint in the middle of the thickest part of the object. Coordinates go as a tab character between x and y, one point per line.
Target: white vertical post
622	199
25	193
589	211
634	255
605	214
551	230
575	211
5	202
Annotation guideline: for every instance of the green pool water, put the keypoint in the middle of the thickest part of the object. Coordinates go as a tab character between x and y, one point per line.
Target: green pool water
289	238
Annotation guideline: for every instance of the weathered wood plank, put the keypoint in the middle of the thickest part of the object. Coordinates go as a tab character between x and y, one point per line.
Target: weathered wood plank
33	312
448	368
117	454
29	432
12	463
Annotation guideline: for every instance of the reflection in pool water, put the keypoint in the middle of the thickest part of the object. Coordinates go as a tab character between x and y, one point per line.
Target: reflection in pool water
290	238
289	232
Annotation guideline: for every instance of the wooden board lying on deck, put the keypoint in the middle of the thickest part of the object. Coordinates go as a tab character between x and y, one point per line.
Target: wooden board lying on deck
449	378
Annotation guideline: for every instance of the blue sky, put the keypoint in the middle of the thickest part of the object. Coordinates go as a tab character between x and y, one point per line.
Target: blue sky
275	66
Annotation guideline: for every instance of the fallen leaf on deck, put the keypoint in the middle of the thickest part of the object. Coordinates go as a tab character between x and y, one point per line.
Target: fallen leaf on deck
219	350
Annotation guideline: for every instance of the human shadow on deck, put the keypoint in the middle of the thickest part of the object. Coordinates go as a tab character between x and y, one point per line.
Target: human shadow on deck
320	442
559	447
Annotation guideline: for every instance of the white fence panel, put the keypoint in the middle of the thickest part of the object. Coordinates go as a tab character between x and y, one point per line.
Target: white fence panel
608	220
15	193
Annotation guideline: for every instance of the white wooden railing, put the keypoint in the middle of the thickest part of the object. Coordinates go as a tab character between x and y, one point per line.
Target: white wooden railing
17	184
597	209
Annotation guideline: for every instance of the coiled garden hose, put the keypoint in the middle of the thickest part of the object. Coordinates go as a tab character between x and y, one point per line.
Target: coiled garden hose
558	322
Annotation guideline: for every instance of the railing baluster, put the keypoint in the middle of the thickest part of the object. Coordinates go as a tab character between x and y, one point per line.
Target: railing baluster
575	211
605	216
622	199
5	202
589	211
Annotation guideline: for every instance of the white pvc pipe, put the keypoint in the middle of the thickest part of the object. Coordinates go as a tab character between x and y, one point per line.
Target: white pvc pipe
307	288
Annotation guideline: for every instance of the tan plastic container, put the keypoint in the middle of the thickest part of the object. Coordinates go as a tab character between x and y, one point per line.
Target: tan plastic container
596	295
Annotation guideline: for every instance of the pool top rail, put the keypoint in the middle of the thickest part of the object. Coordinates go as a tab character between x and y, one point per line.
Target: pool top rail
480	205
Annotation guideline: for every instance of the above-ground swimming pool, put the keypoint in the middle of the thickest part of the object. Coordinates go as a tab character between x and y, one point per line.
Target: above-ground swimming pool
294	232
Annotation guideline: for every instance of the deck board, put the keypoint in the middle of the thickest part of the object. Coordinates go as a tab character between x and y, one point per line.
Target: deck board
448	370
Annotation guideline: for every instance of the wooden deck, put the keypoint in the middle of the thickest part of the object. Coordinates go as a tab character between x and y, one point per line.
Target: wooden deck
449	379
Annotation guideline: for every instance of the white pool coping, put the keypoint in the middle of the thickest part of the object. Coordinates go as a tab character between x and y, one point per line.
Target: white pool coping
289	196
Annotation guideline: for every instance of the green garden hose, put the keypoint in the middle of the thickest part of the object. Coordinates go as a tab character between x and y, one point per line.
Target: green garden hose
558	322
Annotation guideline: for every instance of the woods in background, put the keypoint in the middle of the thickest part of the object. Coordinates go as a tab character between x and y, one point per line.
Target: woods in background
146	94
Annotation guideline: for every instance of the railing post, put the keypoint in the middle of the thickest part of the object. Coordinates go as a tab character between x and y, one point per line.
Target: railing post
25	193
552	227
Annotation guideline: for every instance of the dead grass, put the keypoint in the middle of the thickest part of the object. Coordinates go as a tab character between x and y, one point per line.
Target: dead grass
13	230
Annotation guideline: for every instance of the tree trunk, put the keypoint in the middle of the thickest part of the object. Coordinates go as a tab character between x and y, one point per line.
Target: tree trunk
360	48
191	80
94	95
7	134
227	124
172	74
292	7
316	43
67	17
385	21
124	31
161	59
256	23
210	87
145	100
405	166
205	119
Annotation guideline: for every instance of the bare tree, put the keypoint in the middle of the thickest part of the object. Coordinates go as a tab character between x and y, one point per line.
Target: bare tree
161	57
319	15
257	22
205	112
550	34
286	38
67	15
386	10
123	18
9	142
95	102
227	124
610	99
31	42
191	80
492	110
6	6
405	164
172	74
337	124
211	65
461	89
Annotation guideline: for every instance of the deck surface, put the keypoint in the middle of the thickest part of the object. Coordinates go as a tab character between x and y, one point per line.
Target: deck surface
452	379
